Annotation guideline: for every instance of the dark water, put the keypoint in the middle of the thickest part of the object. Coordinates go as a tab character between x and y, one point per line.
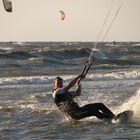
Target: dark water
27	70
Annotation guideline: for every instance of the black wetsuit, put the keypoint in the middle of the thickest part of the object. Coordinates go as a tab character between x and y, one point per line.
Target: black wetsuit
67	105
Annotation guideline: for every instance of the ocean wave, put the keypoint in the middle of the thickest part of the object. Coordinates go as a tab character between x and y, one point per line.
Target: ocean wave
65	53
2	49
116	75
63	57
15	55
55	54
133	104
135	74
25	80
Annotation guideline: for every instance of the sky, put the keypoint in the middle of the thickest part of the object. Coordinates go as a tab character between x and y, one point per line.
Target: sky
39	20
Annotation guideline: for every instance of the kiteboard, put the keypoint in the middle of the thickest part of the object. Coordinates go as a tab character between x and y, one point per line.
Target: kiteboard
124	116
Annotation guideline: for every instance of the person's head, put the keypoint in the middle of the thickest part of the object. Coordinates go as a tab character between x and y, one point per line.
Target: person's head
58	83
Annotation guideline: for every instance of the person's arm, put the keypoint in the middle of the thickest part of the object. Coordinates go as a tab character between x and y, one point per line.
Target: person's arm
73	82
77	92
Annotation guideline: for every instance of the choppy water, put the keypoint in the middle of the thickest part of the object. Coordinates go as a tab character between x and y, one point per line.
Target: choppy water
27	70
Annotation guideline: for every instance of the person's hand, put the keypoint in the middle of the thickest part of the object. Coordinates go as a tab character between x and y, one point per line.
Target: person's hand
78	82
82	75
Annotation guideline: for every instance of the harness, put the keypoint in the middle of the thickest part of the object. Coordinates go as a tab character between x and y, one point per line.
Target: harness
66	104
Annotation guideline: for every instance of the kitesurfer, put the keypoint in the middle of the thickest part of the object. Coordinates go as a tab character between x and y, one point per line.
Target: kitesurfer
64	100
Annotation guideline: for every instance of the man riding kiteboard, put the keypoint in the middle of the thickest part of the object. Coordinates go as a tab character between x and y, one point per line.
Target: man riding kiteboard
64	100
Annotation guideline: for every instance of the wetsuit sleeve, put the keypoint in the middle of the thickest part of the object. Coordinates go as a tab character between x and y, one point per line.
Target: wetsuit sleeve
73	94
77	92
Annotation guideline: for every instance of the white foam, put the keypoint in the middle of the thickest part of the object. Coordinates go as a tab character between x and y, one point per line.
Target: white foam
132	104
6	48
24	79
49	79
138	44
116	75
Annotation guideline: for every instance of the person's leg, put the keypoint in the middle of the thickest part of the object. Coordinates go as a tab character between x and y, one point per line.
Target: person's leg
80	113
99	110
106	111
96	109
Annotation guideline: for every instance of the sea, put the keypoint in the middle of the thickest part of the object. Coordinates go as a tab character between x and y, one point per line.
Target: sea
27	71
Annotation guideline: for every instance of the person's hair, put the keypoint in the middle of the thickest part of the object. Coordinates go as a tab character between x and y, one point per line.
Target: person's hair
58	78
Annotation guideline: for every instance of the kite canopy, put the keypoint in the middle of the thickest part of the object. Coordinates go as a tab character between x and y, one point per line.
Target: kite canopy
62	15
7	5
